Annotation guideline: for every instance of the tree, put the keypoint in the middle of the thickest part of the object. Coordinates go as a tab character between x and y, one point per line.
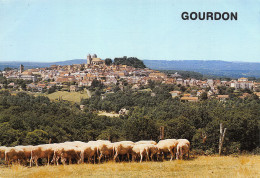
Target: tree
180	127
37	137
111	133
26	119
151	84
23	86
183	88
131	61
96	83
8	135
51	89
116	88
82	68
222	90
204	96
108	61
139	127
8	69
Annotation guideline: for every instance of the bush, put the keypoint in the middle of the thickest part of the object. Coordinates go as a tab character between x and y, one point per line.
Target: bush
233	148
197	152
256	151
210	152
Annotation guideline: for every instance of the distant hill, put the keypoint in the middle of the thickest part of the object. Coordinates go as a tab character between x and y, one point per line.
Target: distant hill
29	65
207	67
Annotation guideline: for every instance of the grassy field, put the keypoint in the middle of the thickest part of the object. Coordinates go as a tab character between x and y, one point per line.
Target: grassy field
69	96
103	113
228	166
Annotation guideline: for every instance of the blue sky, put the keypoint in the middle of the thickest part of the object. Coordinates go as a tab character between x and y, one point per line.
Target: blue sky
58	30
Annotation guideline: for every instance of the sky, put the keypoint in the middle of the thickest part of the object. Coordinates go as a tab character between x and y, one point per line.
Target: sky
59	30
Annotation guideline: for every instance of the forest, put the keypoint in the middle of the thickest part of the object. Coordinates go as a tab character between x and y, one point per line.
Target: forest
26	119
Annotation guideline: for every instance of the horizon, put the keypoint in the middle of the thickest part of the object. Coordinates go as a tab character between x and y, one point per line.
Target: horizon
127	56
53	31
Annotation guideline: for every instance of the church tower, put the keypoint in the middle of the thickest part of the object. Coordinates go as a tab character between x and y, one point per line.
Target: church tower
89	59
21	68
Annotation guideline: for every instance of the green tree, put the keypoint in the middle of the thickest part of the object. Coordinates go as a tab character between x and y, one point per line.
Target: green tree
111	133
131	61
180	127
51	89
108	61
204	96
183	88
37	137
8	69
141	128
96	83
8	135
23	86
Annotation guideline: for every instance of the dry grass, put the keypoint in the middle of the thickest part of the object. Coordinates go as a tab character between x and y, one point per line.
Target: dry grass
103	113
68	96
242	166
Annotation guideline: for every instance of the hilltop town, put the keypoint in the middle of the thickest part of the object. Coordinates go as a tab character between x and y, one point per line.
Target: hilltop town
75	77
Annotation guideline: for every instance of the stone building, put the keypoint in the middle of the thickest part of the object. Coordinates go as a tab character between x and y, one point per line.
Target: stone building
94	60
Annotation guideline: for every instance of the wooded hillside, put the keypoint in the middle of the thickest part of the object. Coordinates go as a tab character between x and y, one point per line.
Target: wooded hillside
25	119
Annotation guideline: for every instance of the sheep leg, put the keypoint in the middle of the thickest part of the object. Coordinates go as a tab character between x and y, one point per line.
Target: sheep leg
181	153
31	162
63	160
53	159
36	161
151	157
133	157
82	158
100	157
141	157
115	157
128	157
57	160
171	154
174	153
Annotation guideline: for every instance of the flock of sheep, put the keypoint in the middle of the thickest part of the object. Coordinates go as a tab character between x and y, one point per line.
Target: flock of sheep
79	152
